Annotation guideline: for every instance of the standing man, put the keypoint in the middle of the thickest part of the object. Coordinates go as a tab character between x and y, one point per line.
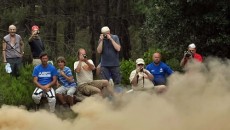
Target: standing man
191	54
159	70
86	85
36	45
109	47
44	77
13	50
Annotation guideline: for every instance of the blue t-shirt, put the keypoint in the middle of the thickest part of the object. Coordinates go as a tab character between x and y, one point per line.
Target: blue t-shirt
44	74
160	72
62	80
109	56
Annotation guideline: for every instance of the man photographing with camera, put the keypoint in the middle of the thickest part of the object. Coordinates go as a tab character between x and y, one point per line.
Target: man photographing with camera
191	54
36	44
140	78
109	48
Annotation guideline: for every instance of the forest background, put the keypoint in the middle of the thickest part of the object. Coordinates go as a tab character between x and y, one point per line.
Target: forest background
143	27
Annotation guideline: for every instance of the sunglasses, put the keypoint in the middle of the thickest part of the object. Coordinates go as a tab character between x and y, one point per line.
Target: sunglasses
140	64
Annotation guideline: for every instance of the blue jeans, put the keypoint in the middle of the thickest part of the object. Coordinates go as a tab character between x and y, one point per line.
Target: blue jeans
111	72
15	64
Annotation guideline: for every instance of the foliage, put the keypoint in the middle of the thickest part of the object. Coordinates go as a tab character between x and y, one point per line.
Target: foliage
126	67
174	24
17	91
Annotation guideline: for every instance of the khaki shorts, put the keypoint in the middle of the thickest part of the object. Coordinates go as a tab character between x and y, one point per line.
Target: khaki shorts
66	90
91	88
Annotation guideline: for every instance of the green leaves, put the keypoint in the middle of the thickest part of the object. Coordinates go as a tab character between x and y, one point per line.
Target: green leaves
16	91
126	67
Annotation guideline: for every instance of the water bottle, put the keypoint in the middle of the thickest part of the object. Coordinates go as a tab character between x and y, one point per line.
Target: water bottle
8	68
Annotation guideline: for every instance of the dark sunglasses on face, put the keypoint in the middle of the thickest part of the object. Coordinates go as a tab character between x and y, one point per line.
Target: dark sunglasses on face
140	64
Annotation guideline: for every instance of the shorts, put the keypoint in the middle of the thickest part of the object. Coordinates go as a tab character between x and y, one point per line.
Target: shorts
91	88
66	90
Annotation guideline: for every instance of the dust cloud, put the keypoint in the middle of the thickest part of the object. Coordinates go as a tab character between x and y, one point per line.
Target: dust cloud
196	100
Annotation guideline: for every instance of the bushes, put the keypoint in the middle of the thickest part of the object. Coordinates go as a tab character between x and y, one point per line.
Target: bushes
126	67
16	91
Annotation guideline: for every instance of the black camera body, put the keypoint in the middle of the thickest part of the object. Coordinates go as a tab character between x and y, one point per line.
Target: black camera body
85	56
188	53
141	70
105	36
37	32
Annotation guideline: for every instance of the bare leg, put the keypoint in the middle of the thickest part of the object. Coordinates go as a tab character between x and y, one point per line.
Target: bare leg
61	98
70	100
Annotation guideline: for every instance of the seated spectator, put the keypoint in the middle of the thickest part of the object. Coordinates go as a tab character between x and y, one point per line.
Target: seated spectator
141	79
44	77
86	85
65	83
159	70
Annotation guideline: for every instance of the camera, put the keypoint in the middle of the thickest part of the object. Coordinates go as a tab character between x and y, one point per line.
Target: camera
85	56
37	32
141	70
188	53
105	36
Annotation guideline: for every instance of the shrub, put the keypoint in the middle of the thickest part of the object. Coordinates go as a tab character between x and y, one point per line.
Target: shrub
126	67
17	91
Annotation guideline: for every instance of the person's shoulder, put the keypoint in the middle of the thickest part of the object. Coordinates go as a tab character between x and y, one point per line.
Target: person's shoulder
198	55
38	66
76	62
17	35
51	66
6	36
67	68
149	65
162	64
134	71
91	61
114	36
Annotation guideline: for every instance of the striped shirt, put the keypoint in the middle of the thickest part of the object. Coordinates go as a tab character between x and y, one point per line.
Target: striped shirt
63	81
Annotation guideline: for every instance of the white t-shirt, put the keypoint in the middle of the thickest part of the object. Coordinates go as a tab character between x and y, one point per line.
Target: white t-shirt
86	74
147	84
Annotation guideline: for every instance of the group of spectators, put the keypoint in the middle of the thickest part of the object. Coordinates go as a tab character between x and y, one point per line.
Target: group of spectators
156	73
46	76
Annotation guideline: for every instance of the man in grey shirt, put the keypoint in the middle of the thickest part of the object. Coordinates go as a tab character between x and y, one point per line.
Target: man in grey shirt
13	50
109	47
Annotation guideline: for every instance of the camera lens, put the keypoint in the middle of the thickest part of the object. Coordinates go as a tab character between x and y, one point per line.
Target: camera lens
141	70
85	56
105	36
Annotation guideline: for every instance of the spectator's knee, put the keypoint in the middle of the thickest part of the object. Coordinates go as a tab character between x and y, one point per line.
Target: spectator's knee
36	98
105	83
70	94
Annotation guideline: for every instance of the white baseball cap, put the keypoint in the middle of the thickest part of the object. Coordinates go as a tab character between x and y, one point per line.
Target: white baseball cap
193	46
105	29
140	61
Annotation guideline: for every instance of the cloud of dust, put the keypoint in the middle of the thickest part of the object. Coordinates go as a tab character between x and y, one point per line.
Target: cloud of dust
197	100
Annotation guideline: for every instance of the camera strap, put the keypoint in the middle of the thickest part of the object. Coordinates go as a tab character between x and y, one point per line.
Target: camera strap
142	78
12	47
143	81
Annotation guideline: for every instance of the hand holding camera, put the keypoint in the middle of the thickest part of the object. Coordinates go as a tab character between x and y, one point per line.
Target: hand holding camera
187	54
140	69
36	32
